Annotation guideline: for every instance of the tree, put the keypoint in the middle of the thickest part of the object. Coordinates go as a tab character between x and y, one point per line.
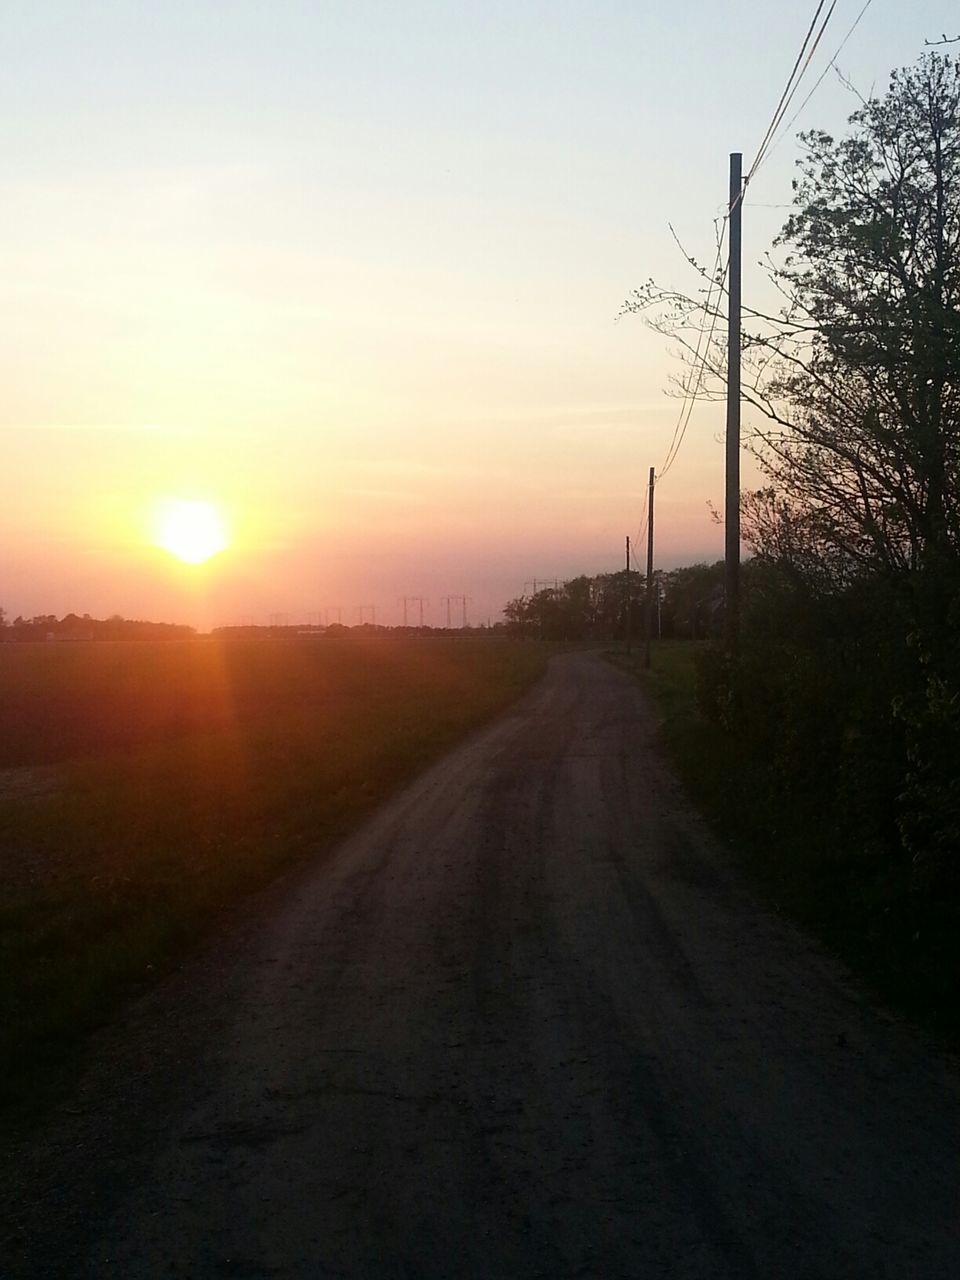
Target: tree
579	609
864	402
691	598
857	375
516	613
870	440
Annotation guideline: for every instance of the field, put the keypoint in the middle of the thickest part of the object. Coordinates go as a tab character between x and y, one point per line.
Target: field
145	786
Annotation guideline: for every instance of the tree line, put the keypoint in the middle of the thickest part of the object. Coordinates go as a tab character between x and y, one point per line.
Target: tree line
685	604
843	691
72	626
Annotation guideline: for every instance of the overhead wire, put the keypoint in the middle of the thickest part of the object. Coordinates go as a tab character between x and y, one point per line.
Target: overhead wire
820	79
644	517
771	138
718	281
793	81
694	384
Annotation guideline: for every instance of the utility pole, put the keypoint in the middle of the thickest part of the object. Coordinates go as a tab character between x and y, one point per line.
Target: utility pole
445	600
627	596
648	619
732	500
464	600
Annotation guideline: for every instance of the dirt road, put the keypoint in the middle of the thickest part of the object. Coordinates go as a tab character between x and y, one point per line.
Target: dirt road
525	1023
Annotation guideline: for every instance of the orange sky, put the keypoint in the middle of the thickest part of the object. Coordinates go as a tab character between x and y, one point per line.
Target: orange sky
352	274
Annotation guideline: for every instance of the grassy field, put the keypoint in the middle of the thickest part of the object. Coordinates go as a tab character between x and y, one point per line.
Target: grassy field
145	786
856	903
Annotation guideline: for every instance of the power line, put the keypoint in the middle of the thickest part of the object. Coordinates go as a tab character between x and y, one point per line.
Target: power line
644	515
718	279
809	59
793	83
686	410
832	63
772	124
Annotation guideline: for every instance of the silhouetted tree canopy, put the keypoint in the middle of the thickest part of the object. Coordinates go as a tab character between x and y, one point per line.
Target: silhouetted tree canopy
846	688
47	626
594	608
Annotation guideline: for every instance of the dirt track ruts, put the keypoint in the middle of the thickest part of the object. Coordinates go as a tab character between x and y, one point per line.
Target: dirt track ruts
527	1022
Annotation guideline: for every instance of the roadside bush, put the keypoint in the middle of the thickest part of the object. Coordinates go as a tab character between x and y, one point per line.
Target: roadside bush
847	733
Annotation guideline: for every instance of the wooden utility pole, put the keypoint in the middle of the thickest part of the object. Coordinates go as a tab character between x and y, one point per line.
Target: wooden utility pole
627	595
732	500
648	618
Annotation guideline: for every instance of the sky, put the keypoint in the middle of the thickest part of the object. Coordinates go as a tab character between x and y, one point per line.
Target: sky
352	273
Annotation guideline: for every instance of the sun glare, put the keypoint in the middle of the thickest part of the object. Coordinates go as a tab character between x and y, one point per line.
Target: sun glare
191	531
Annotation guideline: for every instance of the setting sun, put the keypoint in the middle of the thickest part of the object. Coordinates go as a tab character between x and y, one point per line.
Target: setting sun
191	531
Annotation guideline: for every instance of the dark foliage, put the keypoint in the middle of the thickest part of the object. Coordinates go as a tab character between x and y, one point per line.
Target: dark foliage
684	604
76	628
841	703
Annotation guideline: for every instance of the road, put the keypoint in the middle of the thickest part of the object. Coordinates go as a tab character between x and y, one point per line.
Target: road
527	1022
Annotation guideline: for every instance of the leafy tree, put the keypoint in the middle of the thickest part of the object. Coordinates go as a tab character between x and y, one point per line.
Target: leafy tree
857	376
871	437
852	609
691	599
583	608
863	398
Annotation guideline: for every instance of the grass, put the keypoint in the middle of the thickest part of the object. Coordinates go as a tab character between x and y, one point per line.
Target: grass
146	786
857	902
672	680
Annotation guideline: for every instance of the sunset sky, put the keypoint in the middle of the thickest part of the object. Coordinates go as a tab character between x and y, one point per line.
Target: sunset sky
351	273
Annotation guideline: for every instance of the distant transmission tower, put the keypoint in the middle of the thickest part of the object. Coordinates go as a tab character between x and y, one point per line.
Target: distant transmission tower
407	600
460	600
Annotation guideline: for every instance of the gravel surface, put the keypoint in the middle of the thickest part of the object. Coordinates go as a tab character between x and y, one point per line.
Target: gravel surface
527	1022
